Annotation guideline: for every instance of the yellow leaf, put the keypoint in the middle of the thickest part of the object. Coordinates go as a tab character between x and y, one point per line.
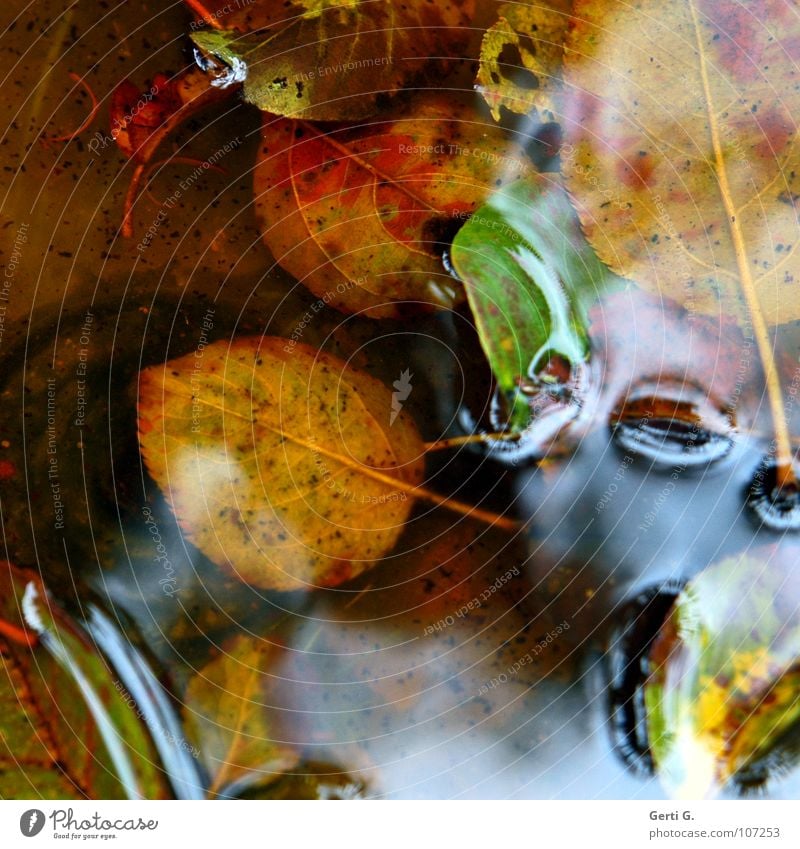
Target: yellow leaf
279	461
227	709
683	159
533	35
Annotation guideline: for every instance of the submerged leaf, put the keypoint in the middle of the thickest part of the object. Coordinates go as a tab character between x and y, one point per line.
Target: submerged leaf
361	215
227	709
425	667
279	461
70	729
529	276
722	698
684	158
335	61
521	57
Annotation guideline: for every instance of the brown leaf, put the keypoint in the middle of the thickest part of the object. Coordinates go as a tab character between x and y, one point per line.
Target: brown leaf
361	214
521	55
683	157
137	114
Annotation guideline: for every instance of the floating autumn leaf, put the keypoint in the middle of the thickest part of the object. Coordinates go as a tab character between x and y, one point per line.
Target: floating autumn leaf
529	276
521	56
360	214
279	461
683	157
722	697
335	62
69	731
228	711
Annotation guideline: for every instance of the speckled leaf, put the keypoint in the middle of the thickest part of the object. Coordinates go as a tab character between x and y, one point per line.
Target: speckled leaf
683	151
227	711
726	674
280	462
335	62
360	215
69	730
529	275
521	55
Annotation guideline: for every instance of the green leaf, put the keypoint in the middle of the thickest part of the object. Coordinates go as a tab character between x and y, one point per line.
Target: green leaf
723	690
529	275
70	728
336	62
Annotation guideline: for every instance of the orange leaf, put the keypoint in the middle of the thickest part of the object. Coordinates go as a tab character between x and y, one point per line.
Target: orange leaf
362	214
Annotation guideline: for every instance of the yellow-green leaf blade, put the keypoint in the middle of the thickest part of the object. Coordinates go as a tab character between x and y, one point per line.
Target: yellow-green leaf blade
279	461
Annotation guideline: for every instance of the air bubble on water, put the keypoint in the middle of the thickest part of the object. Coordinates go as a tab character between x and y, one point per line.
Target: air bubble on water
774	507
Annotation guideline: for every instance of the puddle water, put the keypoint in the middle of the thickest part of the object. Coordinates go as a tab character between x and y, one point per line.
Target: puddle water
469	662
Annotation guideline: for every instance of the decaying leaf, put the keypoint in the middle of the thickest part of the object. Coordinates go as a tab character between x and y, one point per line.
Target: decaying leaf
279	461
229	712
335	61
683	156
684	151
521	56
360	215
724	689
70	730
529	276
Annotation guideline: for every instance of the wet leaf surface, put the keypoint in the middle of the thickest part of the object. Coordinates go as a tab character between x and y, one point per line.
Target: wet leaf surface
722	698
405	675
529	276
362	214
336	62
446	667
70	729
281	464
682	157
228	710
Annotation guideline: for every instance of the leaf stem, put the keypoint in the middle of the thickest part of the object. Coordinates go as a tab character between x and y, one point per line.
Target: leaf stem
472	439
421	492
148	149
783	443
87	121
200	10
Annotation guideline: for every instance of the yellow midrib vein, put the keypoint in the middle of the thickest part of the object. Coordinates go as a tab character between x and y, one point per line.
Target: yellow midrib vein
487	516
783	442
226	766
